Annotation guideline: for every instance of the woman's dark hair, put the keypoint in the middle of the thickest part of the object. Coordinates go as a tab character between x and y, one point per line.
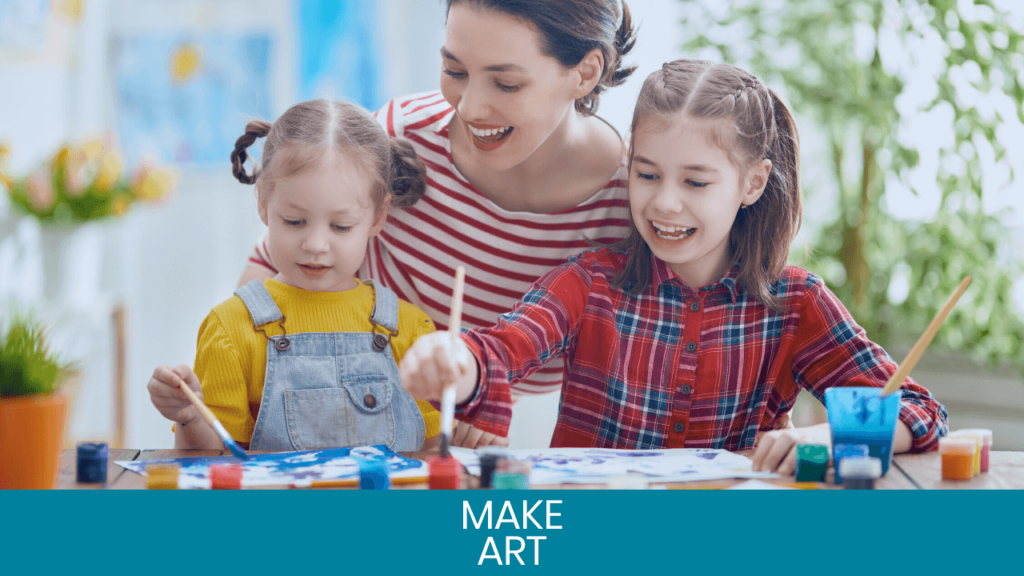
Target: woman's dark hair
570	29
754	125
309	132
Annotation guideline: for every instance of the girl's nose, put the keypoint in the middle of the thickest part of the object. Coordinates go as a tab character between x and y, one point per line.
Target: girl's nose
668	201
315	243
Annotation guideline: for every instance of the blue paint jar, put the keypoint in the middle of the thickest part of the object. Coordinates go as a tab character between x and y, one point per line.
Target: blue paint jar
92	462
373	475
861	416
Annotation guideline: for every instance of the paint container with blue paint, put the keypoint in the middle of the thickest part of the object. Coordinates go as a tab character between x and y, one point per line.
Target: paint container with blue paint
92	462
862	416
843	451
373	475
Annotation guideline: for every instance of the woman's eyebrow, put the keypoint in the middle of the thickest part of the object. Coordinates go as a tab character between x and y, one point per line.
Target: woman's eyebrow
493	68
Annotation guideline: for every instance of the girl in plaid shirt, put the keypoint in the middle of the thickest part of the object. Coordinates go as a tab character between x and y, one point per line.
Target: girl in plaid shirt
692	332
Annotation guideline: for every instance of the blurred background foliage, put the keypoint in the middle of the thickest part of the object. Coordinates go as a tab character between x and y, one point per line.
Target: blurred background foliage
848	66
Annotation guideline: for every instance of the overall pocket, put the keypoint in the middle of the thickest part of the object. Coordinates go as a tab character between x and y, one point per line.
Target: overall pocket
341	417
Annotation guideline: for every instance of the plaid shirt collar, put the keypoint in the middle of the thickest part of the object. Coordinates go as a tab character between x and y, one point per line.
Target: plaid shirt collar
661	273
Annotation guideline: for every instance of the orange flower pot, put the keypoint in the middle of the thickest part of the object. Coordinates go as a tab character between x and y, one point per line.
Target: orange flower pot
31	434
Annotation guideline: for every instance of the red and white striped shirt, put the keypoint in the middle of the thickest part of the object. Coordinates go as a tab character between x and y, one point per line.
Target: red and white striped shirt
453	223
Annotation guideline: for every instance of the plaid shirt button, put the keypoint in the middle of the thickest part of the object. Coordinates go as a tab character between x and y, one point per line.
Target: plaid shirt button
678	427
691	346
685	389
695	306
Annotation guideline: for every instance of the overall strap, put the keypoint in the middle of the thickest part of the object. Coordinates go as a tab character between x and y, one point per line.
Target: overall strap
385	307
259	302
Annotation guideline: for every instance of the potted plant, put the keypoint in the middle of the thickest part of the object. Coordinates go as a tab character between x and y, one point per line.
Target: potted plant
32	410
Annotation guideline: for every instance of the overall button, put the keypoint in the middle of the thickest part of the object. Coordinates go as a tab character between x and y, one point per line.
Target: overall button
695	306
686	389
691	346
678	427
369	400
282	344
380	342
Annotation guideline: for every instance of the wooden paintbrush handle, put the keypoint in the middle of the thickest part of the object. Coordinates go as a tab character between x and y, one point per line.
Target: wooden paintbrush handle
206	413
917	351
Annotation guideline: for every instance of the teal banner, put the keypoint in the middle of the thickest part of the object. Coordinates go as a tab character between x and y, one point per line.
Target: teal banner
568	532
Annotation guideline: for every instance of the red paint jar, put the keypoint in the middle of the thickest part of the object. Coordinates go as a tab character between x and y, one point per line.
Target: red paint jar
445	473
226	477
986	443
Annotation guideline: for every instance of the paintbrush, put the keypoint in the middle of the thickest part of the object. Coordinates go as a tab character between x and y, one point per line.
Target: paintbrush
915	353
212	421
454	327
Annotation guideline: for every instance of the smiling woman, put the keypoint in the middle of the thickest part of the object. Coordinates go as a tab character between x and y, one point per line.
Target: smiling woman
521	172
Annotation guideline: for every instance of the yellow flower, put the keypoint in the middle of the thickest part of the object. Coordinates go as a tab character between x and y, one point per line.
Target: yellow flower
40	191
119	206
109	173
153	183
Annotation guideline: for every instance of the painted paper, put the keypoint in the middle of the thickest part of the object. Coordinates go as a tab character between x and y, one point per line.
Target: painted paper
598	465
284	468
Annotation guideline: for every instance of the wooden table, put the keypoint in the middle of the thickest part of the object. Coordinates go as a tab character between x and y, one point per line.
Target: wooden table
909	472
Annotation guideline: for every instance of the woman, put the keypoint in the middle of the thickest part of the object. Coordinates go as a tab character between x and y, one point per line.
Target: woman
521	173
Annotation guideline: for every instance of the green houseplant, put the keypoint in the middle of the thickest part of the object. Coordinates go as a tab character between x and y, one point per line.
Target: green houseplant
32	410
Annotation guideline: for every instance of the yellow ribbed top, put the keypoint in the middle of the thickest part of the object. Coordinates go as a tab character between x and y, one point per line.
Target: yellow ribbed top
231	357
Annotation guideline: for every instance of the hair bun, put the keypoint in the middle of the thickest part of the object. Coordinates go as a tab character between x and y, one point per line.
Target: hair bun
408	174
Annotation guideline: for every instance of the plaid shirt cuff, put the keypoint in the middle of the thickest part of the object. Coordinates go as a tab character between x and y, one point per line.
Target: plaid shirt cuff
926	418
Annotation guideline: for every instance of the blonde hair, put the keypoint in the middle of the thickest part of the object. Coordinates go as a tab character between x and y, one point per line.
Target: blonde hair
310	132
757	126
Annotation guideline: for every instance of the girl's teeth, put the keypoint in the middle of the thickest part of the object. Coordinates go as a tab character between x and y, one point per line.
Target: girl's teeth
672	232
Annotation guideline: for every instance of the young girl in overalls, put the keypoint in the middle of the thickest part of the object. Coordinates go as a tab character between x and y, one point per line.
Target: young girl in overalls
307	359
693	332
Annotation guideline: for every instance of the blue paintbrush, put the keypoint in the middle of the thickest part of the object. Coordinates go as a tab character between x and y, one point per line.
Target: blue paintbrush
212	421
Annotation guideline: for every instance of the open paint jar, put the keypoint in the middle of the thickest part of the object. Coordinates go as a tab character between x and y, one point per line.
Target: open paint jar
984	436
957	457
861	416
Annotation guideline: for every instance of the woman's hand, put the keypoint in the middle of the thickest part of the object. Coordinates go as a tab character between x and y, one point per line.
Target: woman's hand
166	395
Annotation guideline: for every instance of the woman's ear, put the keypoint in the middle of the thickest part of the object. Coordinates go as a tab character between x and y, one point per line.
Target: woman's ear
757	181
588	73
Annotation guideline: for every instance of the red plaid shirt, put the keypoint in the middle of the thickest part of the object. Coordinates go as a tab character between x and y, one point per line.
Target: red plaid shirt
674	368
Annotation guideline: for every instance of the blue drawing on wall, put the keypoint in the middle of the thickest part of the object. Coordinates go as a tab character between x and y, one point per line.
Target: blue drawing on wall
339	51
185	98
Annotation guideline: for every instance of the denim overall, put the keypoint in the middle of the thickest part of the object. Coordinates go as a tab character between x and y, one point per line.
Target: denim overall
332	389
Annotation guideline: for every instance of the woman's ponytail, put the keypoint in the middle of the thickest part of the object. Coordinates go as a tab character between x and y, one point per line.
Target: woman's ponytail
253	130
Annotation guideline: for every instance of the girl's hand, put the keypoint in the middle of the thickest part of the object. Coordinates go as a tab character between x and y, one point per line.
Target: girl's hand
432	363
468	436
776	449
166	394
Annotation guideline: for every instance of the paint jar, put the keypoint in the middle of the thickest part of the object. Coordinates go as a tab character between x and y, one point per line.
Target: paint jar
986	445
488	463
811	463
843	451
860	415
957	457
978	444
512	475
860	472
162	477
92	462
373	475
226	476
445	473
